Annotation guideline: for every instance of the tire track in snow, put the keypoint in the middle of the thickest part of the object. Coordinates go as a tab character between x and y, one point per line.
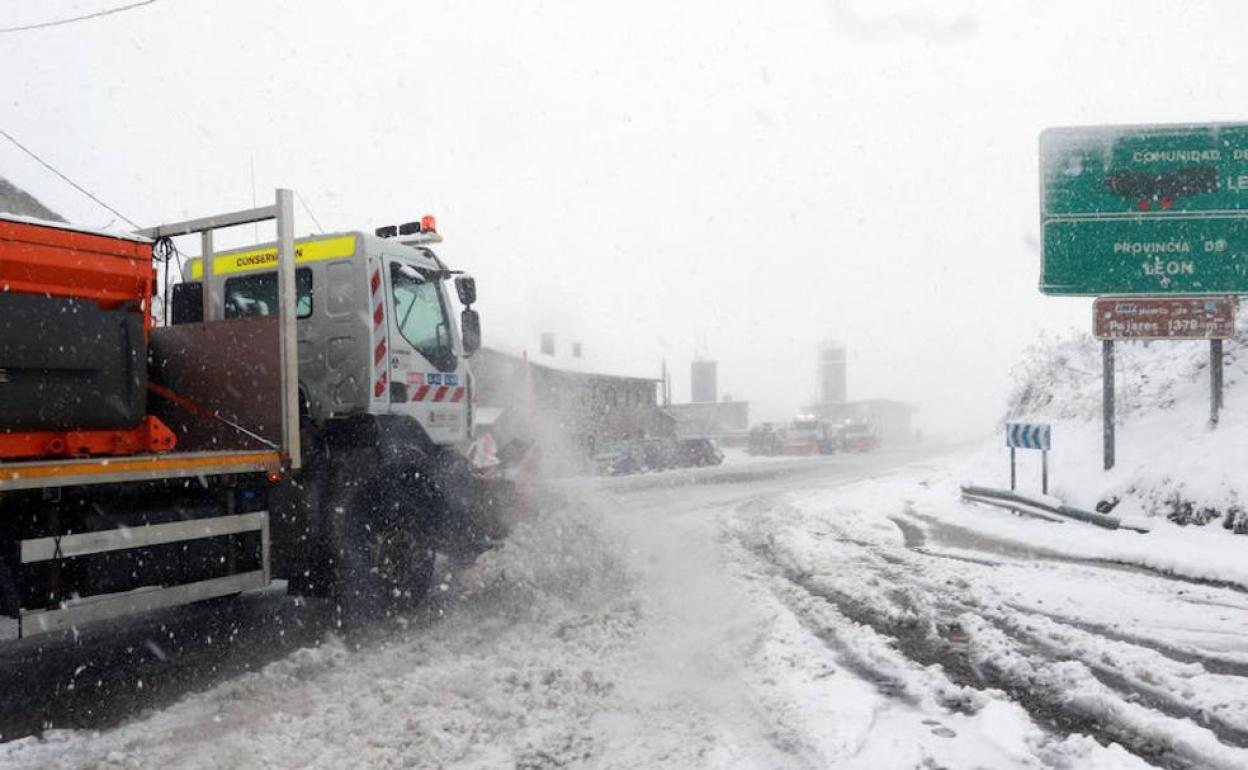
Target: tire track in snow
1212	664
1015	621
1230	731
1107	713
1019	624
1045	702
915	540
1010	548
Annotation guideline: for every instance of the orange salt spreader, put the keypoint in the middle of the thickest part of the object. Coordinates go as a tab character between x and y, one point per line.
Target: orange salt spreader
75	315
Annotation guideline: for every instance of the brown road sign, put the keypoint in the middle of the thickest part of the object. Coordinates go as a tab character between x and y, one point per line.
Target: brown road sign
1164	318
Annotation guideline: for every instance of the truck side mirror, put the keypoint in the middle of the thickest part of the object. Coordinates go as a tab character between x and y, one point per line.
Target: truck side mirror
470	331
466	288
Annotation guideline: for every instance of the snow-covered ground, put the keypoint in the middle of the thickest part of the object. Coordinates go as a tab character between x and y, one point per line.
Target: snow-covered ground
831	612
1039	610
735	455
1170	461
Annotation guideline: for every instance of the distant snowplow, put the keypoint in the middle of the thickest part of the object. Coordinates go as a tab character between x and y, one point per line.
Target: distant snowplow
857	437
810	436
765	440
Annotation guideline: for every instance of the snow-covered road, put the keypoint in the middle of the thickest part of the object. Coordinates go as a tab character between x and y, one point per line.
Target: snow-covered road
821	612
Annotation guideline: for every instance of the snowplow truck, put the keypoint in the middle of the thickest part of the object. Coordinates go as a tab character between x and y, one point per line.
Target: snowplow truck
303	414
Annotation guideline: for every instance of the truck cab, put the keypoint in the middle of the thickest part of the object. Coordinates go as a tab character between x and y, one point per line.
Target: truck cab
374	326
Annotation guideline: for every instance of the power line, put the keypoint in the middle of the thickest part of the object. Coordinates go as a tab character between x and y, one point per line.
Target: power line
308	209
84	17
75	185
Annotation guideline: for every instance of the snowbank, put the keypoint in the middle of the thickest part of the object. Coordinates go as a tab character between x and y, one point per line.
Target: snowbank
1169	461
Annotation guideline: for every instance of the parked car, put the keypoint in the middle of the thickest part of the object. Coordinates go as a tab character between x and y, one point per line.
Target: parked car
659	453
619	457
698	452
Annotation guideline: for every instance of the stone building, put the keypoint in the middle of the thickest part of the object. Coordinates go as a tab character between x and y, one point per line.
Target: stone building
725	421
565	411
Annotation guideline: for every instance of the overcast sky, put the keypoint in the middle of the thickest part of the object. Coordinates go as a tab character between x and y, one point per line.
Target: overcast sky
737	178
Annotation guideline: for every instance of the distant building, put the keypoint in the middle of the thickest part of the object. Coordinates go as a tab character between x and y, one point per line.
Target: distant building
703	384
890	420
726	421
561	409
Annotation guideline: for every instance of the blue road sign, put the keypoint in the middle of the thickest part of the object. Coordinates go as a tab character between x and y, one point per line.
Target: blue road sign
1025	435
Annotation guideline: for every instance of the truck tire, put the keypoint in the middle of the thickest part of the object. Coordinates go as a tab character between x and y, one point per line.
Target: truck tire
386	556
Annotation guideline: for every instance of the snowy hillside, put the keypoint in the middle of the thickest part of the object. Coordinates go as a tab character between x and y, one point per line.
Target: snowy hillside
15	200
1169	461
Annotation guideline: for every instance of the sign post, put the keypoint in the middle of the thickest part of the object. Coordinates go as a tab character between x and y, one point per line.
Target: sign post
1161	318
1107	403
1024	435
1215	380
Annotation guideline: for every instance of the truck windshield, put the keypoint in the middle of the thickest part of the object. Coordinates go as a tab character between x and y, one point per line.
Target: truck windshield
420	315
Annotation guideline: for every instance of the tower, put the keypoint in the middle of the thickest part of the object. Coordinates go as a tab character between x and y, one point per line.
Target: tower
703	387
831	374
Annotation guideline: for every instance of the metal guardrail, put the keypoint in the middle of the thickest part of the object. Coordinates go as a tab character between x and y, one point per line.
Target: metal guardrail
1012	503
1004	498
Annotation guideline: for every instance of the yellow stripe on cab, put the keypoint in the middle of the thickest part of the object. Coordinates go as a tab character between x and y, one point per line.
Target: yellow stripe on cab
261	259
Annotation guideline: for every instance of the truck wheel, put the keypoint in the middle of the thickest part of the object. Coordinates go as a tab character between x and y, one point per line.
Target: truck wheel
388	556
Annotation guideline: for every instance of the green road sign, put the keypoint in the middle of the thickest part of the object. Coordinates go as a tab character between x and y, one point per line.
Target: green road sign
1145	210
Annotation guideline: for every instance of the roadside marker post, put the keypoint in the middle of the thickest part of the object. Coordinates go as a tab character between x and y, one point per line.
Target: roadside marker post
1025	435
